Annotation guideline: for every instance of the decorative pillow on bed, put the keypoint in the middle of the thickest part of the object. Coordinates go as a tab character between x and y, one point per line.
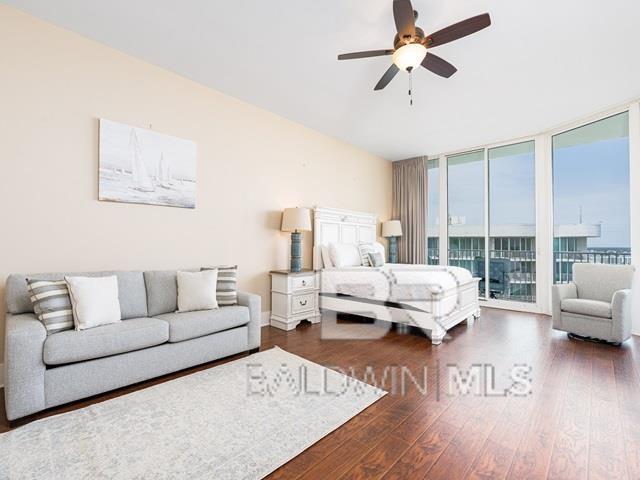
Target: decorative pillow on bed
376	259
365	249
345	255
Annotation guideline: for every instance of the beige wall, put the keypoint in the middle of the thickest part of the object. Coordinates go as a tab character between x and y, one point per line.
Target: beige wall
54	85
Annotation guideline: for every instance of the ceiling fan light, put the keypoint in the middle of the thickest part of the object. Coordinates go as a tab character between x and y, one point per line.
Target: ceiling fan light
409	56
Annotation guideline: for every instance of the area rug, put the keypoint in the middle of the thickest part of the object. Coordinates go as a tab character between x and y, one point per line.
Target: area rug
242	420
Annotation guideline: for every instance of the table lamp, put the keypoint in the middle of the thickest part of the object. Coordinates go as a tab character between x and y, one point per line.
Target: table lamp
392	229
296	220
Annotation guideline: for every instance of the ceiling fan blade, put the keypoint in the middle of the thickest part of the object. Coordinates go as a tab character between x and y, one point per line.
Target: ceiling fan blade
404	18
458	30
437	65
370	53
387	77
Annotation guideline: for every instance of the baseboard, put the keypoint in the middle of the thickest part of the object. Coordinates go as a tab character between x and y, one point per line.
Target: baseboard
265	318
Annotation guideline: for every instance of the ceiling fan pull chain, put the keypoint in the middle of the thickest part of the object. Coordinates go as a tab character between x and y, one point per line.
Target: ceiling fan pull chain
411	88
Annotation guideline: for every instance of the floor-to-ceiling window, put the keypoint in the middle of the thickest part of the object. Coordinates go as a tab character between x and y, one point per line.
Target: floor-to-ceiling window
512	229
591	195
433	214
465	199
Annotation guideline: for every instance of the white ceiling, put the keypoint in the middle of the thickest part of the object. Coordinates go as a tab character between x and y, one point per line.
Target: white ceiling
541	63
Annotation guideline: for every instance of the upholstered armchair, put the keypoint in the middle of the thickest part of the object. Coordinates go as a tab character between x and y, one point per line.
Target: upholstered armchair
597	304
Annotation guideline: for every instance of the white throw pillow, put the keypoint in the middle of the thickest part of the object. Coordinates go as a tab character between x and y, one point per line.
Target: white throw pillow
197	290
326	257
345	255
379	248
94	301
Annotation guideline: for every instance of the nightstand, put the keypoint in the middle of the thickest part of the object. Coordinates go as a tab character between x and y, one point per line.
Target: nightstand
294	297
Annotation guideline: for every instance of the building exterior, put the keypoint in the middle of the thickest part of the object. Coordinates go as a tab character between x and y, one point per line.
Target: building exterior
512	254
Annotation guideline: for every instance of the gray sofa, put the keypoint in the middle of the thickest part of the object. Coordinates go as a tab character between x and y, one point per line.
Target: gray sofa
44	371
597	304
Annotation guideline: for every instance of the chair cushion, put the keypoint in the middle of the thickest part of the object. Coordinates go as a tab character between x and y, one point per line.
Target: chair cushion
590	308
126	336
599	282
188	325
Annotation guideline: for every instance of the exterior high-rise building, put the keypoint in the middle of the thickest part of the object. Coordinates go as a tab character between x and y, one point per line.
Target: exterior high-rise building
512	254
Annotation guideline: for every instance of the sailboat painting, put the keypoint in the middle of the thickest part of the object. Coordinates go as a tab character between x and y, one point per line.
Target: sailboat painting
138	165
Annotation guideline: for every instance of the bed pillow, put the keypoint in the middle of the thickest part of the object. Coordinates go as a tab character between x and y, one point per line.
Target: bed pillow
365	249
226	285
51	304
376	259
326	257
345	255
94	301
380	249
197	290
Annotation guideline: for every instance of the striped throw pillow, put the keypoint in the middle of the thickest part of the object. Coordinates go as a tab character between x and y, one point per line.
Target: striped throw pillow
51	304
227	286
365	249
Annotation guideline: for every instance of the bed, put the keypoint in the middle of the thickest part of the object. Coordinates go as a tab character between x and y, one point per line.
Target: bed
432	297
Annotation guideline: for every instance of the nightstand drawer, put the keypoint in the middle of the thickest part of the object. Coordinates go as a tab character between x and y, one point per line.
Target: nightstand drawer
303	303
302	282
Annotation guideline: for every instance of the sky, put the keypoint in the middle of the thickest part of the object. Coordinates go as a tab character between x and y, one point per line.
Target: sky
594	176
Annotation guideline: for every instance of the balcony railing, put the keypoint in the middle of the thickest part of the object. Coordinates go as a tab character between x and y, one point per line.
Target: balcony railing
563	262
513	272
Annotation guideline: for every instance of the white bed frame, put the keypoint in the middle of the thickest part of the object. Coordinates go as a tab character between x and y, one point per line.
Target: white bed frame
346	226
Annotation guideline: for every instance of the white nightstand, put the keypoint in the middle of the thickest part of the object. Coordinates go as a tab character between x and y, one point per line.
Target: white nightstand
294	297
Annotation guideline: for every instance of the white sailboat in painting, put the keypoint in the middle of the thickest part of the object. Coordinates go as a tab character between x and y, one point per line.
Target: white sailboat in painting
164	173
138	165
141	178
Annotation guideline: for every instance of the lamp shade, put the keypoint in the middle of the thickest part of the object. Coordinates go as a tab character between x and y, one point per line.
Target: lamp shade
296	219
392	228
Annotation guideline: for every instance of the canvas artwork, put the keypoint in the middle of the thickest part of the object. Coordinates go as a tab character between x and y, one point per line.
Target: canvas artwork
138	165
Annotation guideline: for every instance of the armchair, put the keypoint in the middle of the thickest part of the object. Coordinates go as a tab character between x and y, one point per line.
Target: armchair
597	304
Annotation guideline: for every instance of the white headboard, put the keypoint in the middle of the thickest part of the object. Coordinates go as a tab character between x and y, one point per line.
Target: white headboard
341	226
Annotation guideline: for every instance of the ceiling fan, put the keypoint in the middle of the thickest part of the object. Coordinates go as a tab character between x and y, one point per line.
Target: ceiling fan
410	43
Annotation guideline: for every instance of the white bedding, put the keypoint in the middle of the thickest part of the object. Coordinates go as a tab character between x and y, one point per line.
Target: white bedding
401	283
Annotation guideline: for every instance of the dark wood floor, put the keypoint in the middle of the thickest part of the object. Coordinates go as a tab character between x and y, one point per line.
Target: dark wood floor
581	420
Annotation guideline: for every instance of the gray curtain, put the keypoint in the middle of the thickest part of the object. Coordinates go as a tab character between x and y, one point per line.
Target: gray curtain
410	207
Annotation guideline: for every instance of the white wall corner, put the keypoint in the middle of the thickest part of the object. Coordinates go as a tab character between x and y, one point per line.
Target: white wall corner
265	318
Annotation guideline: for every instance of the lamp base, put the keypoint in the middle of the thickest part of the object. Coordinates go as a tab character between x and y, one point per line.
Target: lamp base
393	249
296	251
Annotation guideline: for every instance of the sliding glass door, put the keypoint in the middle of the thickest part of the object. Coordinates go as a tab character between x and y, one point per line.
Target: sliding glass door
466	225
512	228
433	212
591	195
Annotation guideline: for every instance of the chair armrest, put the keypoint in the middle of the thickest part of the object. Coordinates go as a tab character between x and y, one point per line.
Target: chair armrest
559	292
254	303
621	315
24	365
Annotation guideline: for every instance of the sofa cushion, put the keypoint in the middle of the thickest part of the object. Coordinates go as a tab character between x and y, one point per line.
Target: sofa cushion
590	308
126	336
131	291
188	325
162	290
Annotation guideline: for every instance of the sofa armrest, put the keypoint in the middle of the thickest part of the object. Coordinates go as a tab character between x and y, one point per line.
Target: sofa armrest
621	315
254	303
24	365
559	292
